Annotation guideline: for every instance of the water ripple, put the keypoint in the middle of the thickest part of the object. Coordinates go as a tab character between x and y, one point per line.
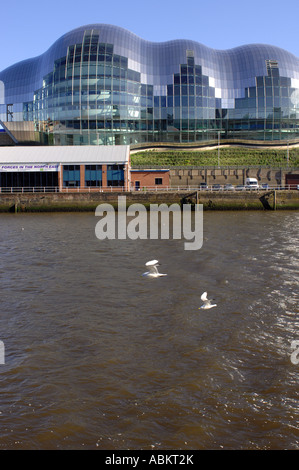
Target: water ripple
97	357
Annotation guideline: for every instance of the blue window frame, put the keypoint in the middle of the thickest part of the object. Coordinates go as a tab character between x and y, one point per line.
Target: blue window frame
115	175
71	176
93	175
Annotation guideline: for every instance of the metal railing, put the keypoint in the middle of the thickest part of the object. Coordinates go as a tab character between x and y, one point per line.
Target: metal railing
94	189
29	189
217	188
156	188
56	189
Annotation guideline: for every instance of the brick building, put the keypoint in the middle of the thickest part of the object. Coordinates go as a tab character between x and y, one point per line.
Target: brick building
65	168
149	179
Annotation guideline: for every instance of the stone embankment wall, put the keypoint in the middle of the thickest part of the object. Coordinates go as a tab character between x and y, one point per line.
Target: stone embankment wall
245	200
195	176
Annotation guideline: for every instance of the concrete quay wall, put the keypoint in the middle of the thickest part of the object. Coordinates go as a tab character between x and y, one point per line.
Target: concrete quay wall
81	201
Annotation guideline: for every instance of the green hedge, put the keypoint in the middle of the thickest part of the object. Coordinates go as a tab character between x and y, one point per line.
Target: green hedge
228	157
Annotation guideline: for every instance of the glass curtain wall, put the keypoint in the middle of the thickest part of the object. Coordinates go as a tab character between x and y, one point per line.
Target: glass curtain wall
102	85
93	97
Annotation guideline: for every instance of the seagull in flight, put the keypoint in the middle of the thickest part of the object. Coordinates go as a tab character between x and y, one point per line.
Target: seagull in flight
153	270
206	302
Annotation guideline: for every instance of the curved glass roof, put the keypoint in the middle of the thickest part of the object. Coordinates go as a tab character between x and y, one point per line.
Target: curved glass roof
230	70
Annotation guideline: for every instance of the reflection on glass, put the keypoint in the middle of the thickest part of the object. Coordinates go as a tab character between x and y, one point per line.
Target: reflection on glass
106	86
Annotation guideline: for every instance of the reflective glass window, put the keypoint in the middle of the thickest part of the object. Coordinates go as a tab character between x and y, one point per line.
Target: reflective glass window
71	175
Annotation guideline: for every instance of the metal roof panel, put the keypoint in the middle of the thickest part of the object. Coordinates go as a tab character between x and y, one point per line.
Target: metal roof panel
84	154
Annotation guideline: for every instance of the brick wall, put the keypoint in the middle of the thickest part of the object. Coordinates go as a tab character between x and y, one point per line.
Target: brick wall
150	179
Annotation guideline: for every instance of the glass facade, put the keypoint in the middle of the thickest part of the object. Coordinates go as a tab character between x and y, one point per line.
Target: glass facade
30	179
102	85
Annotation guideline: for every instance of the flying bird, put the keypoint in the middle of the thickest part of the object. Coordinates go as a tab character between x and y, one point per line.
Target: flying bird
153	270
206	302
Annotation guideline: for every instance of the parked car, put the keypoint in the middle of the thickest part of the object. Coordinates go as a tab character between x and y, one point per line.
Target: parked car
216	187
240	187
203	186
265	186
229	187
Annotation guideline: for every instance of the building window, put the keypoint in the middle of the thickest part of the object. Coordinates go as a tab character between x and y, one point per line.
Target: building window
33	179
93	175
158	181
115	175
71	176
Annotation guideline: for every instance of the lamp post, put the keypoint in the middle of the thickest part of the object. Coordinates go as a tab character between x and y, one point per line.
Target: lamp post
218	149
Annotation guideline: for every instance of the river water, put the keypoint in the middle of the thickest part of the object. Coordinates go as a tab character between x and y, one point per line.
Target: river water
99	357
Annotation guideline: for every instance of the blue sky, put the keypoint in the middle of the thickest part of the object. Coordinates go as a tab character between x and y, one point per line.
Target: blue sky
29	28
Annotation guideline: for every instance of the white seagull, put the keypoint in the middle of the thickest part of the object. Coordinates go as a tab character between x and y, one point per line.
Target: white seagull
153	270
206	302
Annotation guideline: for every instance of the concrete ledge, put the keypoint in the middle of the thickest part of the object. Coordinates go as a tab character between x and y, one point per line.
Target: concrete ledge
59	202
206	144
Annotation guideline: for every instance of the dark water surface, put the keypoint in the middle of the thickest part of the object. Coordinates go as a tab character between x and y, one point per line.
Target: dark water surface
98	357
